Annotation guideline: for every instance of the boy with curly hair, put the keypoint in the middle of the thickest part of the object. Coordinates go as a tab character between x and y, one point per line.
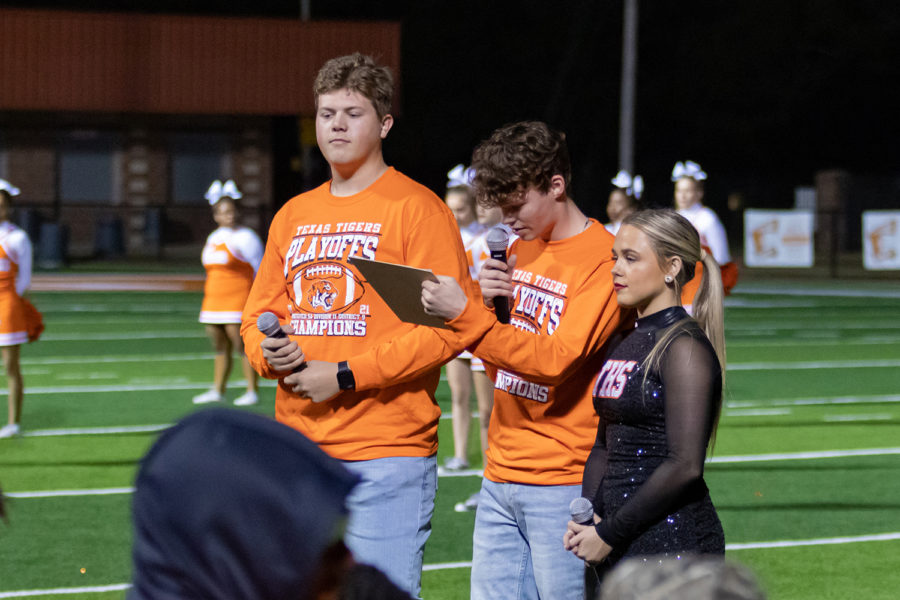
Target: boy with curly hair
562	311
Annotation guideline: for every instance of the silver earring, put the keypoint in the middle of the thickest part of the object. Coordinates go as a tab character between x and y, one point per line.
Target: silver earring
668	279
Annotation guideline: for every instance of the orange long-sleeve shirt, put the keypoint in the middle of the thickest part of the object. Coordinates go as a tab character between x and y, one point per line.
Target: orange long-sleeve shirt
543	423
306	280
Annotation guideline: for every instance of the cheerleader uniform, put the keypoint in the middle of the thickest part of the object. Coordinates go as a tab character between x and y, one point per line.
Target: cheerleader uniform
712	236
16	320
231	258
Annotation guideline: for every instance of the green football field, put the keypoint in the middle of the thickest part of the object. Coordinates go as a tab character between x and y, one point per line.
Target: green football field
805	473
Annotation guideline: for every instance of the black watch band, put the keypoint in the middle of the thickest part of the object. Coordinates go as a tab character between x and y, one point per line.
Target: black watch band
345	376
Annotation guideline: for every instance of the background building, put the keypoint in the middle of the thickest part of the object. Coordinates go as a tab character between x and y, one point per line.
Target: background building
114	124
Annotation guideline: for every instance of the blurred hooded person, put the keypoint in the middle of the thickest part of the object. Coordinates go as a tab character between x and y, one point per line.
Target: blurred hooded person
231	505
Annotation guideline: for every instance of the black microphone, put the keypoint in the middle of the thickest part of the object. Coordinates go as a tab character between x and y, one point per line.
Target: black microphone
497	242
268	324
582	511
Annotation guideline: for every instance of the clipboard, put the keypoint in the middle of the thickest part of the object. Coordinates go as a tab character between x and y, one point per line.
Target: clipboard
400	287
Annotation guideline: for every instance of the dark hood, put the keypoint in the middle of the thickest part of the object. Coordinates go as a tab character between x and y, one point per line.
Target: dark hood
230	504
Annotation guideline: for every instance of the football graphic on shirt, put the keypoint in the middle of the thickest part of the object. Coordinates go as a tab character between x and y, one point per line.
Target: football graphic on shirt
326	287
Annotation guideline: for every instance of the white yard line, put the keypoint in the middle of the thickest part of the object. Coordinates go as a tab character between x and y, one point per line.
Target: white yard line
147	358
853	418
804	455
465	564
149	387
828	401
124	307
840	292
125	335
65	493
818	364
116	587
844	342
880	537
756	412
478	472
883	537
760	327
95	430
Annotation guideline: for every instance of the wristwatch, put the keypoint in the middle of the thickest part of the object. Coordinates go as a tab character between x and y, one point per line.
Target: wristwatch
345	376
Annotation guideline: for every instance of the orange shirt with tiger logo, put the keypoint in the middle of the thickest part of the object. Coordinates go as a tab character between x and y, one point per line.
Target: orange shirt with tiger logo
307	281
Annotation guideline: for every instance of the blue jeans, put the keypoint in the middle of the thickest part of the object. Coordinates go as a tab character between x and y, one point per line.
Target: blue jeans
390	515
518	549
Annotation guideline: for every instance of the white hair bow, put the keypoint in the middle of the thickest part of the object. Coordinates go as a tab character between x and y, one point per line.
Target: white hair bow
688	169
10	188
632	186
218	190
459	175
229	189
637	187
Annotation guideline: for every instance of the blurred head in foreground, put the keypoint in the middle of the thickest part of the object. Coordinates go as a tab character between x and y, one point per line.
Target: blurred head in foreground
687	578
230	504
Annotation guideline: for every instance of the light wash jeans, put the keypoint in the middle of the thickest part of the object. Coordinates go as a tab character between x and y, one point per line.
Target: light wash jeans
390	515
518	549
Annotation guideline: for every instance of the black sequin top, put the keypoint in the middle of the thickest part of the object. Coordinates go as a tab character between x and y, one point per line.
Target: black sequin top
645	472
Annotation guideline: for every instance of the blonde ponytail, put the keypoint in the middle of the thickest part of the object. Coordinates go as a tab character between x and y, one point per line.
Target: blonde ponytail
709	310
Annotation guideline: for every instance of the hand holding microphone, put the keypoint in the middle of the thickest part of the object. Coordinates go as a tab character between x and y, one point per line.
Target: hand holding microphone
279	350
495	277
581	537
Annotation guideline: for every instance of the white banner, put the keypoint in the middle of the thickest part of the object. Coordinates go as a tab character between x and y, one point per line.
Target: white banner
881	239
778	238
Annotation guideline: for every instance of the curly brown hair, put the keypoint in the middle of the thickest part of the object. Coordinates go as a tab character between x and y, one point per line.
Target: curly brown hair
516	157
361	74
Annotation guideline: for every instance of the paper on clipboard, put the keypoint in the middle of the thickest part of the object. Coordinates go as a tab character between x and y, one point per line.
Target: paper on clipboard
401	288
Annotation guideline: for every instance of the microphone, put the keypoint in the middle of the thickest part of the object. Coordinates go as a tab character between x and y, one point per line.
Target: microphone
268	324
497	242
582	511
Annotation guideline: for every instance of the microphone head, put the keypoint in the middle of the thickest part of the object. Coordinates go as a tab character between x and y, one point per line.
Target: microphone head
268	323
497	239
582	510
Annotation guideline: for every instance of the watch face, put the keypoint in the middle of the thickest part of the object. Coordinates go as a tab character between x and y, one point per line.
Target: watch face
345	377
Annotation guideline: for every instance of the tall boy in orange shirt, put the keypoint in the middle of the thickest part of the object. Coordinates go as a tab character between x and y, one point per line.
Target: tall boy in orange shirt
562	311
366	394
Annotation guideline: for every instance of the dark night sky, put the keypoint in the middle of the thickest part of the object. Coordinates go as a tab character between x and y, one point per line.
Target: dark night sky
763	93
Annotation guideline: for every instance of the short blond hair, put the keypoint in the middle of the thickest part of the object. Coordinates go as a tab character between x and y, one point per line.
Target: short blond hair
361	74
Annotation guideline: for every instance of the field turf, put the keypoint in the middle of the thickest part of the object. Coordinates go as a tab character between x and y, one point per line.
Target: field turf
805	472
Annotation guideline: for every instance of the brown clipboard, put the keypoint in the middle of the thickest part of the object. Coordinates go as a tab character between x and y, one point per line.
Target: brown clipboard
400	287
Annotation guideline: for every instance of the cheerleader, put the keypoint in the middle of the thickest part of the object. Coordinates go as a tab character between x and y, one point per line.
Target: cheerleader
624	199
231	257
688	178
19	320
465	371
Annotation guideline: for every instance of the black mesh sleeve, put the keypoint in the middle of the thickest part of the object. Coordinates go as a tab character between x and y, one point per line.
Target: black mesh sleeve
594	469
